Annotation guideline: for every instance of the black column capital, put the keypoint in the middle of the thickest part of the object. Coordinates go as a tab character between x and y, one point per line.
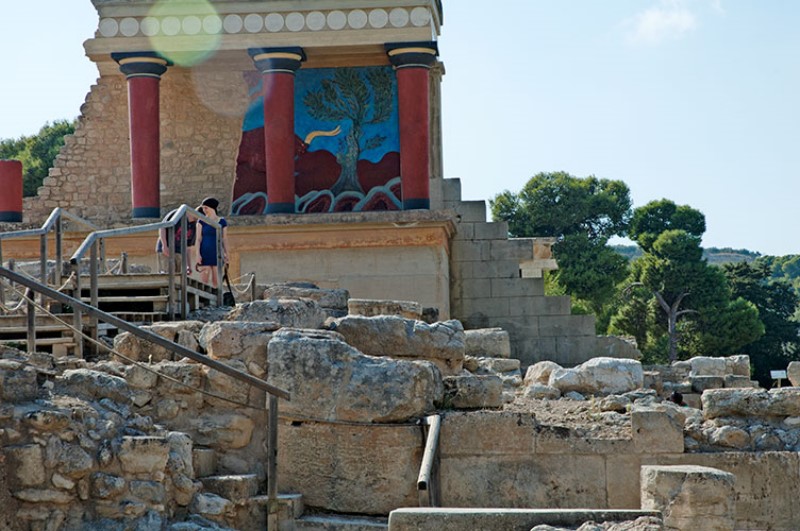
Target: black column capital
141	64
285	60
412	54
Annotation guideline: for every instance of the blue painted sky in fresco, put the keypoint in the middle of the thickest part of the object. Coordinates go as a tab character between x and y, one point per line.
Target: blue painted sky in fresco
694	100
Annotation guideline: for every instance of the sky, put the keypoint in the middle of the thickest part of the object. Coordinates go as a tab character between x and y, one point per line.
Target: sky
697	101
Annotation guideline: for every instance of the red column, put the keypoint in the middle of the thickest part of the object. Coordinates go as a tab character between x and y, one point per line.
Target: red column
278	66
143	71
412	62
10	190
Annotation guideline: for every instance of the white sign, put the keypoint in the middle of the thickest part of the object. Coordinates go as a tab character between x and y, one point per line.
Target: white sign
777	375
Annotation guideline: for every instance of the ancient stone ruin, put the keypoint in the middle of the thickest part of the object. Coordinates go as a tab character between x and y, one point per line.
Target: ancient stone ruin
142	439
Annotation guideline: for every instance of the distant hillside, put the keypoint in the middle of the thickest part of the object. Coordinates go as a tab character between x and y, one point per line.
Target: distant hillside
714	255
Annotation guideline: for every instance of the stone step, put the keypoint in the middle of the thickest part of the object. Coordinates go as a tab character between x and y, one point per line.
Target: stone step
340	522
233	487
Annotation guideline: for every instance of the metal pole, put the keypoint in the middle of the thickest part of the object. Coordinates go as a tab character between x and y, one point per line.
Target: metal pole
425	481
31	321
42	263
59	243
77	318
184	265
93	293
219	266
272	464
170	243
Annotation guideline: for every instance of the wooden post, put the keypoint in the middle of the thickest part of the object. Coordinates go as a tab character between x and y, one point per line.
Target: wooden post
31	321
77	319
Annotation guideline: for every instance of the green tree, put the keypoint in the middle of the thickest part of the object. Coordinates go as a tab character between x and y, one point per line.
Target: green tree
582	214
695	310
362	96
776	302
655	217
37	152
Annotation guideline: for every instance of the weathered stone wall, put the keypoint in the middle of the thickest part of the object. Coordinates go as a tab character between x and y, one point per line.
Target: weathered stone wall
201	116
506	460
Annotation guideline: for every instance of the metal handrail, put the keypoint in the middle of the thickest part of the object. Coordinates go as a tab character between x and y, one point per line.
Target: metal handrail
54	222
98	237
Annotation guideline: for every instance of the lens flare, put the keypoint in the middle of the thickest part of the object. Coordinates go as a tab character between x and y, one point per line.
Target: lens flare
186	33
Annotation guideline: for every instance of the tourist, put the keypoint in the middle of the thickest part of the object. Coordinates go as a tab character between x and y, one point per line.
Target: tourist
676	398
163	250
206	262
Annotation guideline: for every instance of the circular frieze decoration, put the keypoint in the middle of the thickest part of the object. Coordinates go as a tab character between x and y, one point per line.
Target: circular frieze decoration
398	17
232	24
129	26
274	22
378	18
170	26
357	19
315	21
149	26
295	21
212	24
337	20
253	23
192	25
420	16
108	27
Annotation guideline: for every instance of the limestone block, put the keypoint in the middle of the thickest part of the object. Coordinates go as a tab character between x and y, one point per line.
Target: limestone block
329	379
47	420
227	386
44	496
182	332
498	366
738	365
245	341
335	299
210	505
222	432
26	464
143	454
61	482
701	383
190	374
375	307
540	391
295	313
690	497
657	429
147	491
793	372
94	385
105	486
350	468
235	488
737	381
74	462
204	461
487	433
707	366
487	342
17	382
404	338
730	436
599	375
180	452
140	378
473	391
783	402
540	372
